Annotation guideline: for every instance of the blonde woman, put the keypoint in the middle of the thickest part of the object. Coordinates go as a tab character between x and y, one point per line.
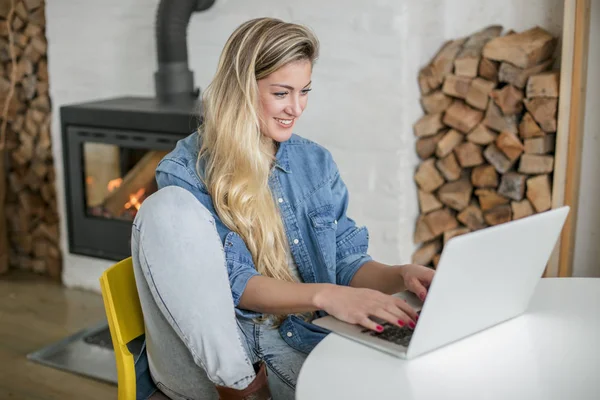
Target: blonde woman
231	317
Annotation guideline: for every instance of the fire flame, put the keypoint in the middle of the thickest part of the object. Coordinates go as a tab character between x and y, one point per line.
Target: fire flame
134	199
115	183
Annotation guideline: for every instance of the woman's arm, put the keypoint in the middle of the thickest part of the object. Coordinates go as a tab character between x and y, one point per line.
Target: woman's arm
272	296
378	276
393	279
353	305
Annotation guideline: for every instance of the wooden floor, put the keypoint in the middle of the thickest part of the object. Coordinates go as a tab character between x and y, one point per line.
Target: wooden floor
33	314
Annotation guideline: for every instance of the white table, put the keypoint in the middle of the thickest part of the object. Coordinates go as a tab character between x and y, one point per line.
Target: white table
551	352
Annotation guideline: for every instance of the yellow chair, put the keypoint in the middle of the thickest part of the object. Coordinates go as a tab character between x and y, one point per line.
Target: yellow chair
125	320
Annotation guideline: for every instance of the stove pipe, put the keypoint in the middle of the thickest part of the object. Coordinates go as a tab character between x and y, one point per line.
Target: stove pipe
174	80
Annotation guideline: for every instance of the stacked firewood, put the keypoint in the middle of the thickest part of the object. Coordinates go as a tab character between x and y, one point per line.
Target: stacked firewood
30	204
487	138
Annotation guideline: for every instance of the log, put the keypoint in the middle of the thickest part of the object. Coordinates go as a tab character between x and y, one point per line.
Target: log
427	176
140	176
543	110
428	125
467	60
432	75
443	62
521	209
540	145
528	128
428	202
518	76
482	135
456	86
484	176
440	221
509	99
454	233
538	192
426	146
535	164
497	158
497	121
472	217
435	102
450	140
468	154
512	186
449	167
428	80
456	195
479	92
543	85
462	117
510	145
498	215
488	69
425	254
524	49
489	199
422	231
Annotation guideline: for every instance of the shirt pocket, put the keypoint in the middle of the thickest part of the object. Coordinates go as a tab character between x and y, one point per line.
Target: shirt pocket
324	227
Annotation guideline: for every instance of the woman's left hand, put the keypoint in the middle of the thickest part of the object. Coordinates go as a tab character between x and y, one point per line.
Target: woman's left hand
417	279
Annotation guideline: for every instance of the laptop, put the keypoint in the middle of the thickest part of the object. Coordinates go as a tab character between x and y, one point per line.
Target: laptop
483	278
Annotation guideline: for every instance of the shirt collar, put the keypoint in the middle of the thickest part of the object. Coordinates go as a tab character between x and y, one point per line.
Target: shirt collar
281	158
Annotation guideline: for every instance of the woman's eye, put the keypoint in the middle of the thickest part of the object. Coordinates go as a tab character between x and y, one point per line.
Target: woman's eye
305	91
280	94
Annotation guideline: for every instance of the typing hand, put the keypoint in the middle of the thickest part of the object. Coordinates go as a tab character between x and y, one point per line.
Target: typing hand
417	279
356	305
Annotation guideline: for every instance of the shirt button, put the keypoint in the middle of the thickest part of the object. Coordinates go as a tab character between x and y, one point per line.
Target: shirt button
296	241
335	222
280	200
289	334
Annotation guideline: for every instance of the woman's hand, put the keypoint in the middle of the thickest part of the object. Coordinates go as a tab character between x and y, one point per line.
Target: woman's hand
356	305
417	279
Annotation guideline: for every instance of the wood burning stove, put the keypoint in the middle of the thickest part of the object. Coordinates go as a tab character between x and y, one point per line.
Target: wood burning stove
111	149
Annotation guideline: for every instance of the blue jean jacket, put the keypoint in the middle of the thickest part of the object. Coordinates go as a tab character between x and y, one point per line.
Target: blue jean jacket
325	242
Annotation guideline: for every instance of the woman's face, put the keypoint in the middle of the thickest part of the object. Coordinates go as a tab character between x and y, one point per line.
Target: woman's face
283	97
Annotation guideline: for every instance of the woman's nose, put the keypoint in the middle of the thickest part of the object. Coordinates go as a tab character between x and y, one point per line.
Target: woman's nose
295	108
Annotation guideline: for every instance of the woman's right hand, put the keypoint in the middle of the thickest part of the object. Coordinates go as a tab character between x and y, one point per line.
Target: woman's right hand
356	305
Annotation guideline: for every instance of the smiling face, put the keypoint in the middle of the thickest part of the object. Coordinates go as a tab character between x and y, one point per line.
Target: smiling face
283	98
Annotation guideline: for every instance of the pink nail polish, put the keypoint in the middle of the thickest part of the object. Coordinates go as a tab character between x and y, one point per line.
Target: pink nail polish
400	322
422	296
379	328
411	324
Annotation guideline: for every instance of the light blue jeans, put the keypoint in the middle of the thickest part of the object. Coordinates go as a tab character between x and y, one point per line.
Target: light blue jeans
194	339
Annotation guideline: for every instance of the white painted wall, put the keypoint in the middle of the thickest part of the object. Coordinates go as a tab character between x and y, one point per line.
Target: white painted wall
587	235
365	96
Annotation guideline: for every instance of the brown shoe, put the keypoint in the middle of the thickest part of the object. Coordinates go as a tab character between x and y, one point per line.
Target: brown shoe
257	390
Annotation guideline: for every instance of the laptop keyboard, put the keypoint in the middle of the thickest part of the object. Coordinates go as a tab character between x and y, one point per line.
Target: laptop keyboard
393	333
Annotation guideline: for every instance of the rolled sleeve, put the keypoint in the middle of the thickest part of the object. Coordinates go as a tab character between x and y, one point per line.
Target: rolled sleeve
352	242
240	267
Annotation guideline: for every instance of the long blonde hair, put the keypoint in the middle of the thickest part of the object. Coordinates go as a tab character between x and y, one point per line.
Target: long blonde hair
236	157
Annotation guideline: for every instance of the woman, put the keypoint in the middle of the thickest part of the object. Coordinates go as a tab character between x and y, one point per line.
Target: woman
239	314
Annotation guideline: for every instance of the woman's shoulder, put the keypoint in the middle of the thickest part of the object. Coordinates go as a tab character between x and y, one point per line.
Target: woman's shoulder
305	152
180	163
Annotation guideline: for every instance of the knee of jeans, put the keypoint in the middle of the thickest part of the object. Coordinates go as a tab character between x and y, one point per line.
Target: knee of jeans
172	206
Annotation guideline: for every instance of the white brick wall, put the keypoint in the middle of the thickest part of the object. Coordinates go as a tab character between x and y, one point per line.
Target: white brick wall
365	96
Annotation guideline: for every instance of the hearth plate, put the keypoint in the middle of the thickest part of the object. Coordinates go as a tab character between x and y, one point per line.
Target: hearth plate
88	352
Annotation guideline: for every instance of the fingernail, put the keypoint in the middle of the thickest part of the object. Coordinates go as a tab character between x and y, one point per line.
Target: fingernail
379	328
400	322
422	296
411	324
416	317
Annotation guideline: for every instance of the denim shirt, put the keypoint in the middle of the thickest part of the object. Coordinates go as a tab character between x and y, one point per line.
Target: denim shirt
325	242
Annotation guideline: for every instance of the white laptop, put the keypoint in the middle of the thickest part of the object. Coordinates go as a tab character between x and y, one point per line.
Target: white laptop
483	278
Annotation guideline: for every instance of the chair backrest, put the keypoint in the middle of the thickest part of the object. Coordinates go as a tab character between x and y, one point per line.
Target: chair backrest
125	320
